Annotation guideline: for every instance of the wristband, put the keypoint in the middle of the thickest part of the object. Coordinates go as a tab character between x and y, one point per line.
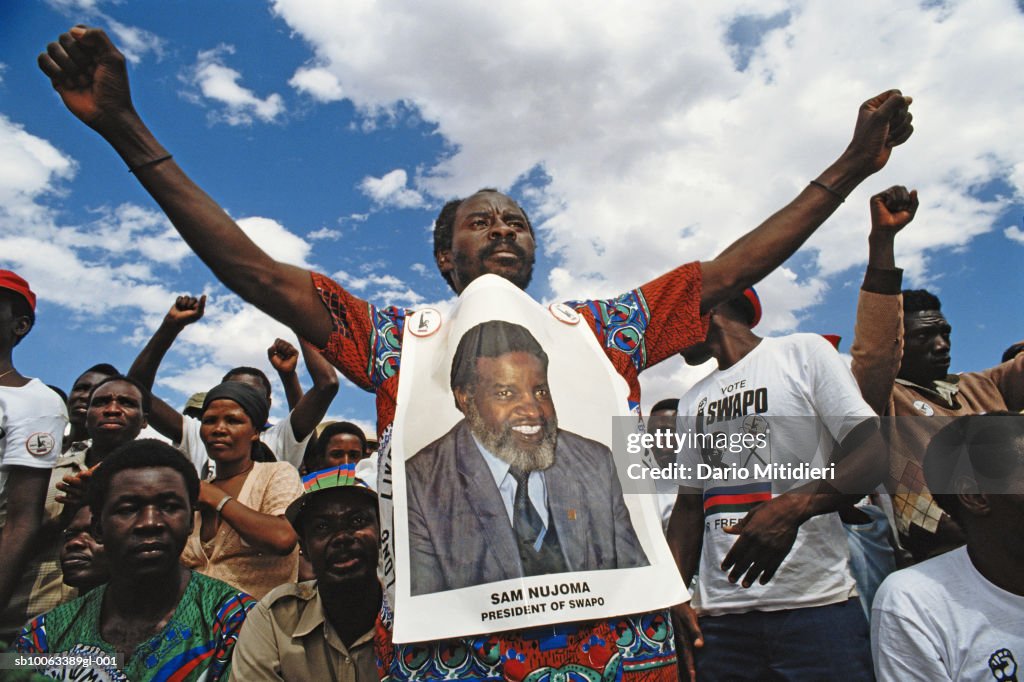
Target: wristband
151	162
828	189
224	500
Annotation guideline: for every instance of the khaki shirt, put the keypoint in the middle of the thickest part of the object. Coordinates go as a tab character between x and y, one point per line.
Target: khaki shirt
286	637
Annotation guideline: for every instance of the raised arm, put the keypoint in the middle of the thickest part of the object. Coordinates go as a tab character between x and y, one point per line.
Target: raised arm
186	310
882	123
284	357
311	409
878	336
90	76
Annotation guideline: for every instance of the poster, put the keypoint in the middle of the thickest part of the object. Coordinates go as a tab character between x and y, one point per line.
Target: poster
508	502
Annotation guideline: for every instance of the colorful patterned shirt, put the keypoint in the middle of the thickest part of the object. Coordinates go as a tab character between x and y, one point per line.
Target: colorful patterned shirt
637	330
196	643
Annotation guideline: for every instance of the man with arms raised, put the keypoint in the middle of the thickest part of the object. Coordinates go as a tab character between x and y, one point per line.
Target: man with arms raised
484	233
901	358
167	621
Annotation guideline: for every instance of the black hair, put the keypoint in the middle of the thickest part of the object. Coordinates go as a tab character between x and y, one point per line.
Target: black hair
918	300
147	397
491	339
334	429
990	446
59	391
444	227
21	308
1013	351
102	368
666	404
146	453
250	371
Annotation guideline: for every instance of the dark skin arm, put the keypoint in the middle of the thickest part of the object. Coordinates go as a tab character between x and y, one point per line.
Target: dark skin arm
89	74
311	409
685	540
767	533
185	311
883	122
26	494
265	532
891	211
284	357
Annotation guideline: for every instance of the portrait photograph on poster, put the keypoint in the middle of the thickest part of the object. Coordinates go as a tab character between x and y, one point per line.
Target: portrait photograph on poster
509	507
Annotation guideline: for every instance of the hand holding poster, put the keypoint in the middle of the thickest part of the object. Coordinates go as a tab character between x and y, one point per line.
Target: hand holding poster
509	509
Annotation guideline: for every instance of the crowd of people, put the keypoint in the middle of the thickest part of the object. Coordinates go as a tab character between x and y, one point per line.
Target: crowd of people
253	552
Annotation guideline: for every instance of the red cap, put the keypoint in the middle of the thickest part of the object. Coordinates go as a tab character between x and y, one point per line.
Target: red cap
12	282
755	302
834	339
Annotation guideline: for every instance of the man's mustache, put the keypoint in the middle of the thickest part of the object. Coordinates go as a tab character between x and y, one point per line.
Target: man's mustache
504	244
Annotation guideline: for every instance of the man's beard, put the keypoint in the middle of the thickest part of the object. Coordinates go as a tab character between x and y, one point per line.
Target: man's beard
521	277
502	443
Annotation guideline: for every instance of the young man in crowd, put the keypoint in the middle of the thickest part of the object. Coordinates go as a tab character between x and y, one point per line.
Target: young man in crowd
960	616
340	443
286	439
167	621
321	629
115	415
32	422
768	549
78	402
901	359
487	232
662	420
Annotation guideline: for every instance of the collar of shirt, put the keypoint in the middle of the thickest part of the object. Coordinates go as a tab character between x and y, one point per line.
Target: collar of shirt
507	485
945	390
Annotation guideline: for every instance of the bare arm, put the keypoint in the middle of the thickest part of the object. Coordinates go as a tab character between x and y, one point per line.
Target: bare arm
311	409
685	541
883	122
186	310
265	532
26	494
877	348
89	74
284	357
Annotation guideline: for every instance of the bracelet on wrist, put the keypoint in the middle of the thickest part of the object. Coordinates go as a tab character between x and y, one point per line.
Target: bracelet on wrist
151	162
830	190
224	500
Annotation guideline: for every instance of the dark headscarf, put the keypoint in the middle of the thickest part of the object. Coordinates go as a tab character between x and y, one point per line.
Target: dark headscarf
248	398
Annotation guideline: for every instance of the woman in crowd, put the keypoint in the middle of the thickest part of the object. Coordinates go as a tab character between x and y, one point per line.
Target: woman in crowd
241	534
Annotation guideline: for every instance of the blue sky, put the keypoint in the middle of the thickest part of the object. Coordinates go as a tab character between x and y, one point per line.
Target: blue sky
638	137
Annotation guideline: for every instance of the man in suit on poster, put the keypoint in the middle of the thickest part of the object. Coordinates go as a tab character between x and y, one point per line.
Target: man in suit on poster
506	493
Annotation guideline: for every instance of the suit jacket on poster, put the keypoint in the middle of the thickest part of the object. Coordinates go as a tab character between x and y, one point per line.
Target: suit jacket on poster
459	531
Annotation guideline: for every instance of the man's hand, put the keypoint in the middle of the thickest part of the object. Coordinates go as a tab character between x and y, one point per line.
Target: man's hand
185	311
688	638
766	534
283	356
72	488
89	74
893	209
883	122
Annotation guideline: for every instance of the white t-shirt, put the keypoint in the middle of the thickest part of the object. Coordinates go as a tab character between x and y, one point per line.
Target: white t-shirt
942	620
280	438
792	398
32	421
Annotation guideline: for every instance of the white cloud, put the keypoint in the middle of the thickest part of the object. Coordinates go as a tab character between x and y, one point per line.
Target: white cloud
375	286
324	233
273	237
219	82
390	190
319	83
656	149
1015	233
